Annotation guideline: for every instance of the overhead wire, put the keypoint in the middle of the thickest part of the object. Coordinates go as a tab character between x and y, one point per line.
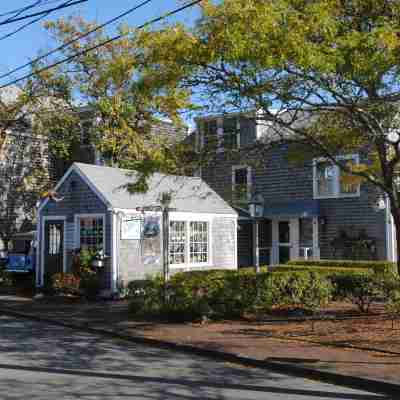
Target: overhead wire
72	41
42	3
104	43
69	3
44	12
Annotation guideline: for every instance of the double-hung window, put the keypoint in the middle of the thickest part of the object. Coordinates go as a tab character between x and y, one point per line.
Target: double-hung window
241	185
189	243
230	133
209	133
91	232
329	179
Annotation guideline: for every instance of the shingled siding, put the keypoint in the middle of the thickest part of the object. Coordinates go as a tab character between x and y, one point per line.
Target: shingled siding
280	180
223	242
352	215
80	199
132	264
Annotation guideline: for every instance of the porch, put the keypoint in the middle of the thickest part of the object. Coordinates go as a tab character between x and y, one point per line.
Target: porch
285	232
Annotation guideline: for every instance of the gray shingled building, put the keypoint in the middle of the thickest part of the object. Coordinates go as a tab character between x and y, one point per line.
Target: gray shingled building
96	212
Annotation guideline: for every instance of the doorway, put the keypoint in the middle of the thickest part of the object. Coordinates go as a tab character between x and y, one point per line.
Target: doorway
54	246
284	241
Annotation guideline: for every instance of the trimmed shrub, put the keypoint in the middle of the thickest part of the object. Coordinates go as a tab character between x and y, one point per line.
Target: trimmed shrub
227	294
376	266
90	285
361	290
320	270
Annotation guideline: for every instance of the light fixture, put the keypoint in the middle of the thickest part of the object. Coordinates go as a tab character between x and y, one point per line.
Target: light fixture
380	203
256	206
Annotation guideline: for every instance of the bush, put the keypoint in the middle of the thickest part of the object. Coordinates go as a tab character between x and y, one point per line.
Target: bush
90	285
361	290
227	294
320	270
66	283
5	278
376	266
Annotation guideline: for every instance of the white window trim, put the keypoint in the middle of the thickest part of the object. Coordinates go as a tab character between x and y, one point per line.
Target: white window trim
336	194
43	220
249	178
187	218
77	231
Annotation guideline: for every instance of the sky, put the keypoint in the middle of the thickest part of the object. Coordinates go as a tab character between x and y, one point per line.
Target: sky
22	47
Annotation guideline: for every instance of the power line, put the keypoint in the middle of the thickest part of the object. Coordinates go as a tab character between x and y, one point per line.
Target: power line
42	3
26	8
64	5
114	38
49	10
66	44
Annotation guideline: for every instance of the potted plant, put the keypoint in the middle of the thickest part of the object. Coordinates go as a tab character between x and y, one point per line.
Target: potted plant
98	259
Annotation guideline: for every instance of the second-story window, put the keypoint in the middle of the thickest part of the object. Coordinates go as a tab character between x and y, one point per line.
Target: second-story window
209	132
328	179
241	185
230	133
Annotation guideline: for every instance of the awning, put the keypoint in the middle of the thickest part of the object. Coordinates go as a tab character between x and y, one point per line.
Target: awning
292	209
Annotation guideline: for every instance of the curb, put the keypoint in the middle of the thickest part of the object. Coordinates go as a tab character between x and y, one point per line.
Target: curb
352	382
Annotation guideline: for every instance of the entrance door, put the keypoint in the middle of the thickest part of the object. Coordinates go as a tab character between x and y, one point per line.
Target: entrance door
54	246
284	242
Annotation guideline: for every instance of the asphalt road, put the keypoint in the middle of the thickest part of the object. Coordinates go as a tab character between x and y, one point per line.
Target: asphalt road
41	361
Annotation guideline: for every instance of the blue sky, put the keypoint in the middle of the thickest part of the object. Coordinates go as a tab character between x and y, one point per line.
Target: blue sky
23	46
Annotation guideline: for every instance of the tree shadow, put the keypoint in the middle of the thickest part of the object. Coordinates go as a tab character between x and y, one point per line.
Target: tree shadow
47	360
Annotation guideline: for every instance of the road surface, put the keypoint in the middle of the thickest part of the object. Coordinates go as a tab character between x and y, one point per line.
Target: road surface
41	361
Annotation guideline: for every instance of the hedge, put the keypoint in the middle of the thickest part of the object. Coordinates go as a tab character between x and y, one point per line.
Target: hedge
321	269
376	266
227	294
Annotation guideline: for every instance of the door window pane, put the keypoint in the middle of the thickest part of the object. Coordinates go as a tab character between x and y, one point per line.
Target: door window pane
54	239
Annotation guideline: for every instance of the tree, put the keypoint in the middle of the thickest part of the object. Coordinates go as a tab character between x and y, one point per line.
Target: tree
24	176
123	100
325	73
24	170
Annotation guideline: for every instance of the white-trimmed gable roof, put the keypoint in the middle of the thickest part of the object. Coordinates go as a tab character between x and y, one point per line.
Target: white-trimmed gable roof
189	194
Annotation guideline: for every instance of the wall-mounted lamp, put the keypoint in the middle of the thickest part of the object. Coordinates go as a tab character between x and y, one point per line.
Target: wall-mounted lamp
380	204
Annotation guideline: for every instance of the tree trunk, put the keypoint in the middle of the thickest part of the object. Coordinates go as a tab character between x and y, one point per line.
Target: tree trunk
396	221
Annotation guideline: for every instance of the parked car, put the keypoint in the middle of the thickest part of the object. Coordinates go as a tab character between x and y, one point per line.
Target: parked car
22	258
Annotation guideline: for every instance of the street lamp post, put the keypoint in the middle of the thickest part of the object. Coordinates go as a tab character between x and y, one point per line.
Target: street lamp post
165	202
256	208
